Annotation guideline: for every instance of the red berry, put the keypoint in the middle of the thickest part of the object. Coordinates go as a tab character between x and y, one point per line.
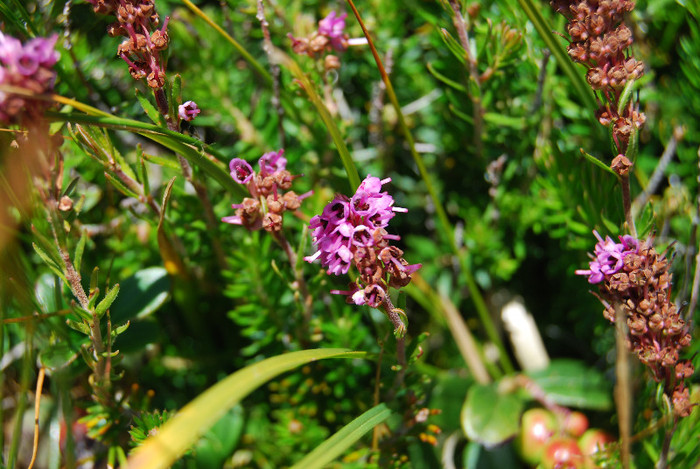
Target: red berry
562	453
576	424
592	442
536	429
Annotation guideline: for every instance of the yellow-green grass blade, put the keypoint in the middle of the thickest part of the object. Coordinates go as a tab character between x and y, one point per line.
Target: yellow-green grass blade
192	421
344	438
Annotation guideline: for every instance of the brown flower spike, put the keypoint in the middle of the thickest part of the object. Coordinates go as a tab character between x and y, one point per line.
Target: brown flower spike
600	41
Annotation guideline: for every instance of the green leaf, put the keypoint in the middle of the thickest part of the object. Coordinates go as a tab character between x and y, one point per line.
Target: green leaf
120	329
180	432
491	416
78	326
625	96
344	438
445	80
79	249
107	301
597	162
121	187
71	186
142	294
150	109
570	383
49	262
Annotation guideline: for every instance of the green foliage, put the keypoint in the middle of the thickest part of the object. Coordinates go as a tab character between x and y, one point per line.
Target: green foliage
492	146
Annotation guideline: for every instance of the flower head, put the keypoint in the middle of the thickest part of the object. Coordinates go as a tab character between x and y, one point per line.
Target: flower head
351	231
608	257
268	201
188	110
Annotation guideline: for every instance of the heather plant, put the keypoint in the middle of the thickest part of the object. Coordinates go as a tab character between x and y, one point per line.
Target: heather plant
329	234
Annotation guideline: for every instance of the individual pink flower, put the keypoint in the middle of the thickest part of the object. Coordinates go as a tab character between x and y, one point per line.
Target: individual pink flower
241	171
272	162
188	110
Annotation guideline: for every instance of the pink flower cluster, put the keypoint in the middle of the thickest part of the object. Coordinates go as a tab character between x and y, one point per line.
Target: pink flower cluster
351	231
267	204
27	66
608	257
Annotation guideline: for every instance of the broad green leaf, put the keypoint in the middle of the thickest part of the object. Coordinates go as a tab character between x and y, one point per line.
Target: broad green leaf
344	438
221	440
491	416
570	383
141	294
57	356
183	430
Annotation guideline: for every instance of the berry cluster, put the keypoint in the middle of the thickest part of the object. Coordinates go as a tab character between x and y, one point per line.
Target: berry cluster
634	277
351	231
551	440
599	41
27	66
138	21
267	203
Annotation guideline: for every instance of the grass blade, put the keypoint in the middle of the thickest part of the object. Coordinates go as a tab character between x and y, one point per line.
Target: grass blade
185	428
344	438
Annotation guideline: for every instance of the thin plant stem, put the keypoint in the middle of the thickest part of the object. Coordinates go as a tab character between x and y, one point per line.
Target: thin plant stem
623	388
695	289
37	407
298	276
657	175
472	66
662	463
27	366
627	204
274	71
447	230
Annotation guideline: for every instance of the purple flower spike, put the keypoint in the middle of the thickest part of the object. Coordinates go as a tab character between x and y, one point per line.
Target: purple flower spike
272	162
241	171
352	231
188	111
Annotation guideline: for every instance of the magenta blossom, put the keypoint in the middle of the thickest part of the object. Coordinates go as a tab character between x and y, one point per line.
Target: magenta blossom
188	110
272	162
608	257
26	66
333	27
241	171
